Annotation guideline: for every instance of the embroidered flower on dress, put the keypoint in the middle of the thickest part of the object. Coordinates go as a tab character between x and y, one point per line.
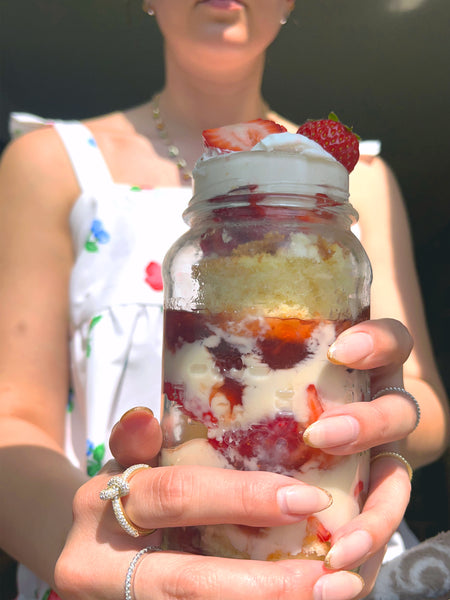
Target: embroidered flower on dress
154	276
97	235
95	456
140	188
50	595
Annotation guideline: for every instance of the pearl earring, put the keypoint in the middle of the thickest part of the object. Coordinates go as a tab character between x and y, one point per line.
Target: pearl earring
151	12
283	21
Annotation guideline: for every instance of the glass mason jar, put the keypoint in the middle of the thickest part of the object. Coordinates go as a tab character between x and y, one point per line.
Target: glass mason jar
267	276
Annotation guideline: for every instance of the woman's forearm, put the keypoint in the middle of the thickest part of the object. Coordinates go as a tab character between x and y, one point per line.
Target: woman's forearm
36	501
431	438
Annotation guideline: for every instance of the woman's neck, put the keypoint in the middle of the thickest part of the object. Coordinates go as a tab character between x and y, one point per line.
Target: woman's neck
197	99
194	100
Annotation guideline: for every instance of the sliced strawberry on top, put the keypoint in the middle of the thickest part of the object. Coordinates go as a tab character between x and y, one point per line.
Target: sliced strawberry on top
334	137
240	136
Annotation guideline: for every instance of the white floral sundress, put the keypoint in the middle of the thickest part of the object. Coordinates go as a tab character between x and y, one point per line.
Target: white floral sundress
120	236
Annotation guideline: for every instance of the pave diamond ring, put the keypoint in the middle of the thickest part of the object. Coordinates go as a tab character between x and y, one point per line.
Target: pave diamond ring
116	489
132	567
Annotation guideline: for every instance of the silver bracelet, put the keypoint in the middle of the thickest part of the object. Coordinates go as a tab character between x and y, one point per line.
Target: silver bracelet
403	392
132	567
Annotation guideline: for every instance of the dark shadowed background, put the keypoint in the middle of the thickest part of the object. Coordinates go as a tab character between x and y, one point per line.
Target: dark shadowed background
381	65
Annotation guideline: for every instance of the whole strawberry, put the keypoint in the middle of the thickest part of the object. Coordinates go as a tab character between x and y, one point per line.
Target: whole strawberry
334	137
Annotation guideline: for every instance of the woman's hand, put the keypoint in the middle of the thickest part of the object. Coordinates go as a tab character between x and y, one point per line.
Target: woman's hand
174	496
381	346
97	553
136	439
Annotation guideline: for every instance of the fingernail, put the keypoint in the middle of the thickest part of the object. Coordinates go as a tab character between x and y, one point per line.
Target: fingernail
342	585
302	499
332	431
135	410
349	549
349	348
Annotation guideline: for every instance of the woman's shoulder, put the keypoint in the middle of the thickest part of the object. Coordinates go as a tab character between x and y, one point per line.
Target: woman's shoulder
111	124
38	151
372	173
374	189
36	164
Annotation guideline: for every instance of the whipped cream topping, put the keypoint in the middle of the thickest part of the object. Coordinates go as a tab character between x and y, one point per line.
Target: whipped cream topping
281	162
293	143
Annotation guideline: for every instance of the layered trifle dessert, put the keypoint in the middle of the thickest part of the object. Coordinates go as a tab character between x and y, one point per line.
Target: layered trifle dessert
274	275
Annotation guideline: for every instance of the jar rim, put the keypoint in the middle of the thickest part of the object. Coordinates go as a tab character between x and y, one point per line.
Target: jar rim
323	198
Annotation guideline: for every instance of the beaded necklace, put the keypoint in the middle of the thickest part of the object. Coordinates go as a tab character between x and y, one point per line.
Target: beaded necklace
173	151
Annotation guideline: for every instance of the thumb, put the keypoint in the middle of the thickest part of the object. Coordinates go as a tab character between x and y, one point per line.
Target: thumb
136	438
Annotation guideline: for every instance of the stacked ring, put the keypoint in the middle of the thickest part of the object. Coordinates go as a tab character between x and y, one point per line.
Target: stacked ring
403	392
116	489
132	567
398	457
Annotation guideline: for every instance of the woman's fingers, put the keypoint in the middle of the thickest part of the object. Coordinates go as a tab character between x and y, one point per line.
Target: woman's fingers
380	346
192	495
363	540
368	533
136	438
166	575
167	497
370	569
204	578
163	575
181	495
97	554
360	426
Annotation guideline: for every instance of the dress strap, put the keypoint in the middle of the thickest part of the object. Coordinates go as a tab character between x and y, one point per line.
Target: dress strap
87	160
369	147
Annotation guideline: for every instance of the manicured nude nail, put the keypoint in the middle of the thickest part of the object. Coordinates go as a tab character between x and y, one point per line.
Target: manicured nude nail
331	432
350	348
136	409
342	585
349	549
302	499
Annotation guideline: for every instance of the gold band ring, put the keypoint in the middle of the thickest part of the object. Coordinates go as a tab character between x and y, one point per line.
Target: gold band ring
116	489
398	457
